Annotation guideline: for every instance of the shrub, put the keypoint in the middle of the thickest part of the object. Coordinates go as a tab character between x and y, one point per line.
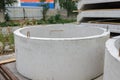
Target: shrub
10	23
7	18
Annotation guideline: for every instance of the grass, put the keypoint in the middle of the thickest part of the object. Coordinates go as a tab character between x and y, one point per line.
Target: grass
51	20
9	23
9	39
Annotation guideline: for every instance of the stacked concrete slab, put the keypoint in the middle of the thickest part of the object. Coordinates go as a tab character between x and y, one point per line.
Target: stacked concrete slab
99	12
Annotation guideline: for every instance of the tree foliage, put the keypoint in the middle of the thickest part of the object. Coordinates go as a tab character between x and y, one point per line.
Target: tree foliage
69	5
45	7
4	3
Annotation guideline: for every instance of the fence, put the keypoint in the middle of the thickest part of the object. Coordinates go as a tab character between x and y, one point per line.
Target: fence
17	13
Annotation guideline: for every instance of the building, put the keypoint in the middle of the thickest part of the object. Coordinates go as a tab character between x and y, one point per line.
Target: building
34	3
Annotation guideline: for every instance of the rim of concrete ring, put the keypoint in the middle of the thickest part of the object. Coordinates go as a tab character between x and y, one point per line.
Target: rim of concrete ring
18	33
111	48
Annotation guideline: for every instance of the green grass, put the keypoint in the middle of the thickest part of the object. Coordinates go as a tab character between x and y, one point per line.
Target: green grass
9	23
7	38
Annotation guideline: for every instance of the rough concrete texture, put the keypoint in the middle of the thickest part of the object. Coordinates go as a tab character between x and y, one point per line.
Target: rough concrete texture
17	13
105	13
87	15
112	59
12	68
111	27
66	52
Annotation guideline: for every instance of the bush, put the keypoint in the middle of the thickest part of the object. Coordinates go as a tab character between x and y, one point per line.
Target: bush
1	37
57	19
11	38
41	21
51	20
54	19
7	38
5	24
7	18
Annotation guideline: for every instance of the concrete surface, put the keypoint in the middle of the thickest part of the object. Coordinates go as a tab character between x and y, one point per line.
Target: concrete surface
62	52
12	68
103	13
17	13
115	28
112	59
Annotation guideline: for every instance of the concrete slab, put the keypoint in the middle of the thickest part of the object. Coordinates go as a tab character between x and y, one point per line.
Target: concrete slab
83	2
103	13
115	28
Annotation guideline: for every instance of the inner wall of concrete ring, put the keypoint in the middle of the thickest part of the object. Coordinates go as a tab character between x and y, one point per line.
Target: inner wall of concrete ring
75	58
112	59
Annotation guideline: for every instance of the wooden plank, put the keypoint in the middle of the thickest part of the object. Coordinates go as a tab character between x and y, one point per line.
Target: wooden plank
77	10
7	61
3	75
74	0
8	73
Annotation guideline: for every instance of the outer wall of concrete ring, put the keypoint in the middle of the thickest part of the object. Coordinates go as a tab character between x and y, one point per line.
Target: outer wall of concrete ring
77	58
112	59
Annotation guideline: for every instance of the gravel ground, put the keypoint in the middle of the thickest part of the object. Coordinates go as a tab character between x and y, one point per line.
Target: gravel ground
5	57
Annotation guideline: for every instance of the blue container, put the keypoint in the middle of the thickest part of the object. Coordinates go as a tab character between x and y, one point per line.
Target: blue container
37	4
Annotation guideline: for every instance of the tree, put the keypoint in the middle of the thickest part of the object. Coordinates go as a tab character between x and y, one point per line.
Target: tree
45	7
69	5
4	3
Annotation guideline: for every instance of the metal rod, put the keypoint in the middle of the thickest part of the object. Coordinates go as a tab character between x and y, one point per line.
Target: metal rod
107	28
28	34
119	53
